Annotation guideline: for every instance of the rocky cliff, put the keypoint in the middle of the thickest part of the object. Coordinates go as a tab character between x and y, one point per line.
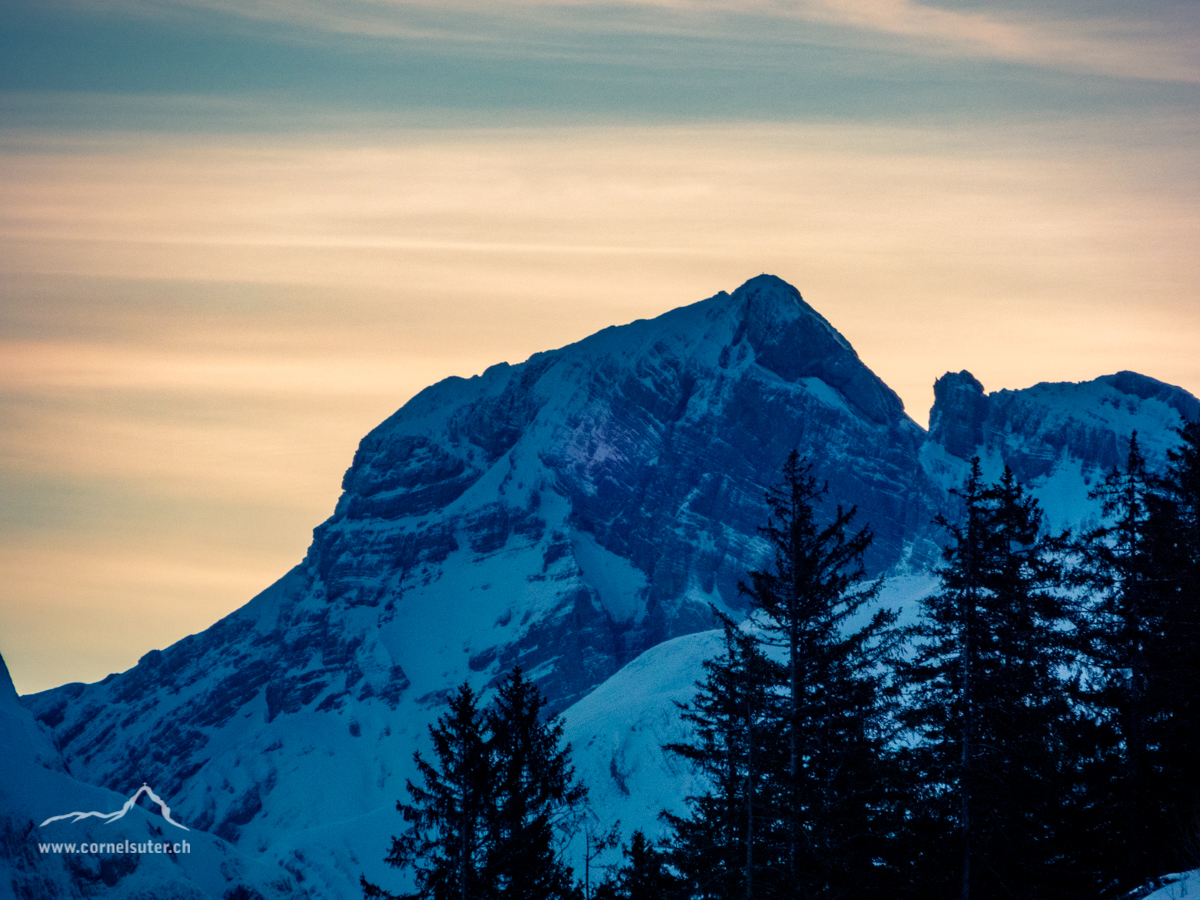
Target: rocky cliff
566	514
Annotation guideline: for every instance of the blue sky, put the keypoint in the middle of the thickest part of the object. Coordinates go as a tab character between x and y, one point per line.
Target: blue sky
555	62
237	235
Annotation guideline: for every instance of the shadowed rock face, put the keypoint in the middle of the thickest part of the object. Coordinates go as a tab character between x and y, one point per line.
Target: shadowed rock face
959	410
1037	429
564	514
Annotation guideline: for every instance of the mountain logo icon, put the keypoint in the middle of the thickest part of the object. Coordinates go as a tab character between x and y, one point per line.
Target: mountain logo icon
111	817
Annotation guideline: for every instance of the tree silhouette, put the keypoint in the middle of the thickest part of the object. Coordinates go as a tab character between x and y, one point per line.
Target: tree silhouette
495	806
988	705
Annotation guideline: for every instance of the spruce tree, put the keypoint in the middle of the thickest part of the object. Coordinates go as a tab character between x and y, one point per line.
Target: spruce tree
534	800
1142	568
988	706
645	874
1116	568
446	841
1174	538
496	806
793	740
729	847
835	690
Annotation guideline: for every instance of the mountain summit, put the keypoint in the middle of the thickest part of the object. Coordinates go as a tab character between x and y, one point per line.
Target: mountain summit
619	481
567	514
564	514
794	341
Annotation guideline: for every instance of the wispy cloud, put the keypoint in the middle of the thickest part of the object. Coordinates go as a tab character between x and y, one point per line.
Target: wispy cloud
1157	40
498	224
198	329
1143	48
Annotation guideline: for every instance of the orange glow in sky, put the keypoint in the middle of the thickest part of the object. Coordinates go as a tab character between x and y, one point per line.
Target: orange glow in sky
199	324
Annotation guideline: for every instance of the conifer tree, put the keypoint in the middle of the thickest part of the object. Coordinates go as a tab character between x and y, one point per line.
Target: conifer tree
1143	646
495	807
796	749
835	688
729	847
645	875
988	706
446	841
1117	568
535	801
1175	667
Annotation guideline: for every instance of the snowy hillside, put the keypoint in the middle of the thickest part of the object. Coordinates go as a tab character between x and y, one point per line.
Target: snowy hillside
575	514
619	729
37	787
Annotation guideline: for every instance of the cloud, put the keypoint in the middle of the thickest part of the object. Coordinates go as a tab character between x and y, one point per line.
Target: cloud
322	256
198	329
1145	48
1159	41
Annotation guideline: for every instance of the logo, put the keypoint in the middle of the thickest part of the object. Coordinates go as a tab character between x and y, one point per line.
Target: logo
111	817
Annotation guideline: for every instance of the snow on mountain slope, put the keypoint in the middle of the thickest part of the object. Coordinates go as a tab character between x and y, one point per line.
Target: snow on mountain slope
1179	886
575	514
618	731
37	787
1059	439
564	514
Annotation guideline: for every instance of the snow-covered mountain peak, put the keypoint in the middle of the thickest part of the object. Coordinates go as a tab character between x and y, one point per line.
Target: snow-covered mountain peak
1145	388
794	341
567	514
768	300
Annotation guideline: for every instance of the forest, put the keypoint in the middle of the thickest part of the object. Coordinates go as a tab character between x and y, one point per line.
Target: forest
1033	735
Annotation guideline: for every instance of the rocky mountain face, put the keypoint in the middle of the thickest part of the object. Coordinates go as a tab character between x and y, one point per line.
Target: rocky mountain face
567	514
629	469
1058	439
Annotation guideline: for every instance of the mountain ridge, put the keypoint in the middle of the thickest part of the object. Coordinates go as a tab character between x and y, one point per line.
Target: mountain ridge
568	514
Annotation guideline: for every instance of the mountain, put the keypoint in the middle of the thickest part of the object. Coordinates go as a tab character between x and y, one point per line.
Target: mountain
577	514
560	479
37	788
1058	438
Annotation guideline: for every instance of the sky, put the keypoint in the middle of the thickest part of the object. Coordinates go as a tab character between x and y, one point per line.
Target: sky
234	236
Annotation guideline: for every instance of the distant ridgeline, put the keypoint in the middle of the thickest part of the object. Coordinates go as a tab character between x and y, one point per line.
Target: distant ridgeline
585	515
